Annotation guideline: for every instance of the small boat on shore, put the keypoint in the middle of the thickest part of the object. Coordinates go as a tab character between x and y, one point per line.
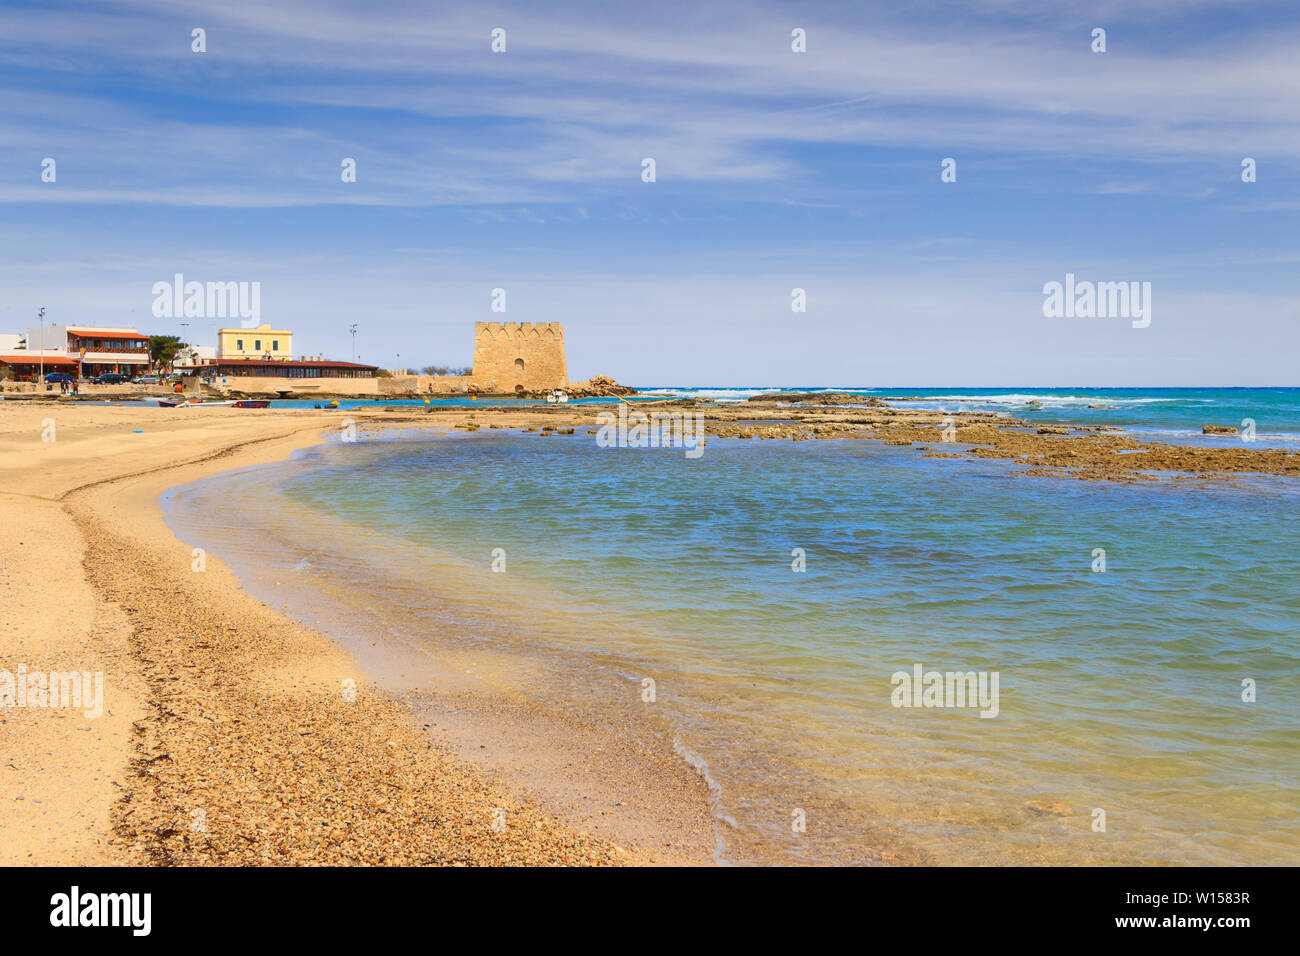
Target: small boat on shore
176	402
253	403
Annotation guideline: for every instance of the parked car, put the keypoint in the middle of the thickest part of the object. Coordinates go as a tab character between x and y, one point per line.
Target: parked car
57	377
109	378
147	380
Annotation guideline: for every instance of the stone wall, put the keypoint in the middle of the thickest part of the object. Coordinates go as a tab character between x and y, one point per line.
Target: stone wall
425	384
270	385
515	356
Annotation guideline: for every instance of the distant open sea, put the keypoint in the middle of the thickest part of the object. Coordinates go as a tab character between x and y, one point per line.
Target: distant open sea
1120	691
1156	413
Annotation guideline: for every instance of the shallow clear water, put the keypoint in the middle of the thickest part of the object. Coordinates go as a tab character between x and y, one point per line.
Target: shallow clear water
1119	690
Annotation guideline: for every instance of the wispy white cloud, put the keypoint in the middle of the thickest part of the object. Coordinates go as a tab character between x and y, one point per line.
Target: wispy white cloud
717	98
775	170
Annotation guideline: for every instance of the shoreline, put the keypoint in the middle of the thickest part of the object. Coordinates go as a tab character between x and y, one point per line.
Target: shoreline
205	753
521	454
471	684
217	701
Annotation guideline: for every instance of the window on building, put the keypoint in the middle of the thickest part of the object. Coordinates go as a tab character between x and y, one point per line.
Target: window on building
257	345
519	364
239	345
275	345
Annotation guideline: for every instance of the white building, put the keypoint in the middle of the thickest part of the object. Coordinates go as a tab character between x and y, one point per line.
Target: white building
196	355
94	349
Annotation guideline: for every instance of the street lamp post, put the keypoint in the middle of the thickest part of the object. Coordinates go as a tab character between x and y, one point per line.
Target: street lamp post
353	330
41	316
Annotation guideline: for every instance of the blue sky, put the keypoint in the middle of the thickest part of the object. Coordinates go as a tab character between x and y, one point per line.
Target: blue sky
775	170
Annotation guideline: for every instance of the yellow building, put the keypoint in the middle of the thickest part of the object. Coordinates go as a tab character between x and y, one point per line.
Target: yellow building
262	342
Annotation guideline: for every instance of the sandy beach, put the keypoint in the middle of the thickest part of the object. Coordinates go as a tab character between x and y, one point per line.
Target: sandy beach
226	735
230	734
852	436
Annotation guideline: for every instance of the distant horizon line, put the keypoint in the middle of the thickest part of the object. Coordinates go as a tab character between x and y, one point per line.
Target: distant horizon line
876	388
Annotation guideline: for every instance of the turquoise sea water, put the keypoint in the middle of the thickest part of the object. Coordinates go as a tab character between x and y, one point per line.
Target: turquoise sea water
1120	690
1175	414
1159	413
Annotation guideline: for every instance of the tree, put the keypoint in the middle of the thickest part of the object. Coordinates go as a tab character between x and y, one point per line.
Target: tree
443	370
163	349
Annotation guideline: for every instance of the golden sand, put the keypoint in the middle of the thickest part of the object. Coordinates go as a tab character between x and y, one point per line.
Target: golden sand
227	737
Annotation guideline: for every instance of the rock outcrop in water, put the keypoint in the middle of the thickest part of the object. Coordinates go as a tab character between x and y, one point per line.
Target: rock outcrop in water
820	398
598	386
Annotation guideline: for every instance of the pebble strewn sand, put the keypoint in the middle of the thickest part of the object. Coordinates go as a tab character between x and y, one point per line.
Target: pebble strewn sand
249	752
227	738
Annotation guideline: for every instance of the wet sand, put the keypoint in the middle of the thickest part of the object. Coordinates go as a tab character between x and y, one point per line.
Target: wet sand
227	737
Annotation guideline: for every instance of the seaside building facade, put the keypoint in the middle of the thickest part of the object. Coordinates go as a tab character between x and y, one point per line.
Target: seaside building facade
263	343
510	358
260	361
196	355
519	356
79	350
273	376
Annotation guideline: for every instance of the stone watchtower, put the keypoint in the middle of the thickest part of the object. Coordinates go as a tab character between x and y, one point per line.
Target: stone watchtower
519	356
